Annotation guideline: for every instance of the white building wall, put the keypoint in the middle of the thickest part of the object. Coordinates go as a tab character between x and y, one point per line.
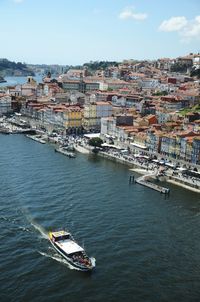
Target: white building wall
5	105
103	86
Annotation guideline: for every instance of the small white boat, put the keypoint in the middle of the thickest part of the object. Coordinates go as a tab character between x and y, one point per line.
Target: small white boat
75	255
64	152
36	138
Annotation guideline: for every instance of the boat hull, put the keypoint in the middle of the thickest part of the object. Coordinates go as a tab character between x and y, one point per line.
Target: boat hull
79	267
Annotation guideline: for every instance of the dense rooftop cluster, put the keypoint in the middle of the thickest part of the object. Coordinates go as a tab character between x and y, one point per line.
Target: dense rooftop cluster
144	106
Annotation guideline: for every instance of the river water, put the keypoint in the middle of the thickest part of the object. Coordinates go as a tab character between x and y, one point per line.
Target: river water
12	81
147	246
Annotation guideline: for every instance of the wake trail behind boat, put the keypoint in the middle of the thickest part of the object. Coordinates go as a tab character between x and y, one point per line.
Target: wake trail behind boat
41	230
24	229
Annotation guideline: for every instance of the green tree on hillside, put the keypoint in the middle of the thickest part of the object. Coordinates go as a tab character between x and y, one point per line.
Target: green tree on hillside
195	73
95	142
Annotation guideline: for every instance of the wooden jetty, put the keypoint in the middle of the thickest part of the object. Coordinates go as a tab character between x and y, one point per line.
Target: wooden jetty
144	182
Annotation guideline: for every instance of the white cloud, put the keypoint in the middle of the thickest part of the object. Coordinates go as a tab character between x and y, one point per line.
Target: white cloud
173	24
128	13
187	29
192	30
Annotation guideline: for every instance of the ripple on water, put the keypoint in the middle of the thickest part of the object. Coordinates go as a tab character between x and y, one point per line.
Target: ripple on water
146	247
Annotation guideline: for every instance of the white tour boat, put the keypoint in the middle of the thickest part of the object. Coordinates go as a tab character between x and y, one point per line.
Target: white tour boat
66	246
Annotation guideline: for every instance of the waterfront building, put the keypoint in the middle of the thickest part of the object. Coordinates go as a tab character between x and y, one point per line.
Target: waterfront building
64	117
137	139
139	142
72	119
93	112
195	158
165	145
183	145
153	141
188	154
89	113
5	104
108	127
171	145
115	127
177	148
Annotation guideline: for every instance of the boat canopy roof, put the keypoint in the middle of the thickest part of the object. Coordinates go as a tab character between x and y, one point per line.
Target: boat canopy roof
70	247
60	234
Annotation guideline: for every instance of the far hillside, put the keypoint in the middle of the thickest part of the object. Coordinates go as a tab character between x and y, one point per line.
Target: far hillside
8	68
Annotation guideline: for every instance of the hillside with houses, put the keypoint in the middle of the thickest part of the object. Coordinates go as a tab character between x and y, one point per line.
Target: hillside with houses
144	106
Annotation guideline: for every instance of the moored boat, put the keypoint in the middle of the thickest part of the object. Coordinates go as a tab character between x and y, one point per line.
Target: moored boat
64	152
36	138
68	248
5	131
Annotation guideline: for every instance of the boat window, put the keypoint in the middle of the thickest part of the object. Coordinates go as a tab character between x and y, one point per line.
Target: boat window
64	237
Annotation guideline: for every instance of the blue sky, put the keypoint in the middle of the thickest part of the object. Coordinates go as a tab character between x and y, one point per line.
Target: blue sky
78	31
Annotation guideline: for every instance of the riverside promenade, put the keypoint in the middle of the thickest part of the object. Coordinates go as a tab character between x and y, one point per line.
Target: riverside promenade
144	181
82	149
145	168
137	166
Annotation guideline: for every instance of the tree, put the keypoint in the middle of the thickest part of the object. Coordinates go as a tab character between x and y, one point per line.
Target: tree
95	142
195	73
109	89
160	93
179	67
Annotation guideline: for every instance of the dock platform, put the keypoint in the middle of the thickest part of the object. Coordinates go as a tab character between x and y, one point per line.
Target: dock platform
144	182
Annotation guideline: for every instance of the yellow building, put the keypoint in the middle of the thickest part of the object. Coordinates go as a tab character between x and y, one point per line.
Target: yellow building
73	117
